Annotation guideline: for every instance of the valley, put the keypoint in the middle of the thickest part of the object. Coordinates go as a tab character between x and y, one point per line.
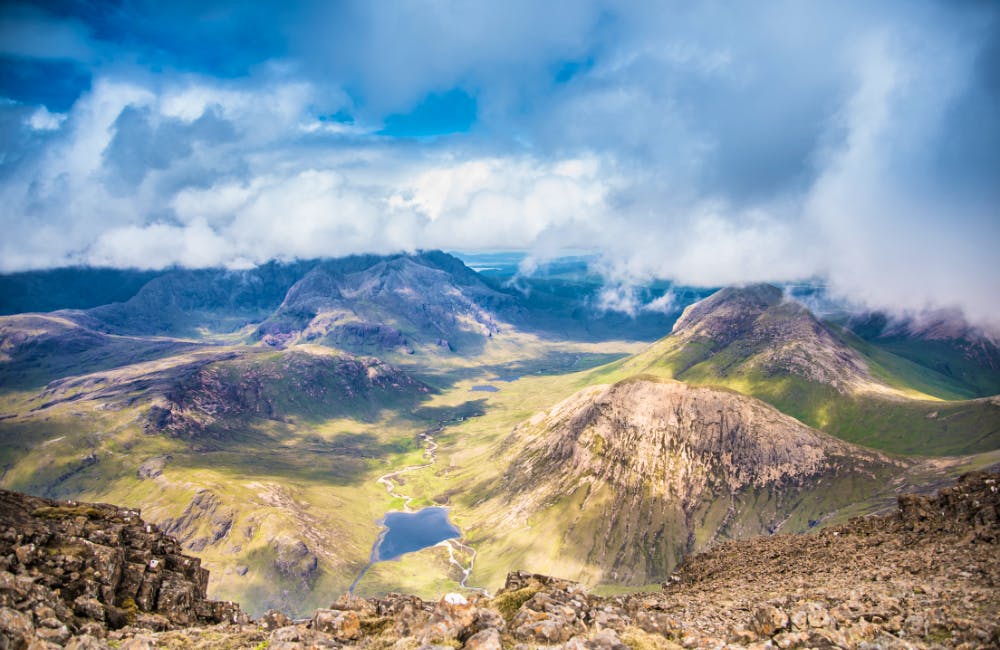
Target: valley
269	419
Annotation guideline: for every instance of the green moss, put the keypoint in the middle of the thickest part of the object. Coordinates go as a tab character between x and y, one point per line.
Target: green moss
65	512
508	603
263	645
375	626
131	609
638	639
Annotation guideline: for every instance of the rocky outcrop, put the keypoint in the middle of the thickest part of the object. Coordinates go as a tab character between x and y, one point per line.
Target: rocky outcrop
923	577
68	567
662	469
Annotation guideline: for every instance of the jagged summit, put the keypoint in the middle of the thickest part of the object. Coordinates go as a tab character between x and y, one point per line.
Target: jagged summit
660	469
70	567
397	302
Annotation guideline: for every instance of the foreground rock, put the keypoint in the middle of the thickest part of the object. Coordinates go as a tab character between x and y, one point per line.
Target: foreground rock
70	568
925	577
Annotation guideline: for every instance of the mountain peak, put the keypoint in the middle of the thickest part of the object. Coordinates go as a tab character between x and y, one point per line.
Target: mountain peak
729	309
753	329
695	463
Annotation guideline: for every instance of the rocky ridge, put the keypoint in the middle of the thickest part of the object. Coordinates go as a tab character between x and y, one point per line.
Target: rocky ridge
926	576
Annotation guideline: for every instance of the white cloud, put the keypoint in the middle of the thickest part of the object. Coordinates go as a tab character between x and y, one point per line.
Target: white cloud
702	144
43	120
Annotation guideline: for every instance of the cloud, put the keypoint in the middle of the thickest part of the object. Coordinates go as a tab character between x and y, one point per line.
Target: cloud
706	144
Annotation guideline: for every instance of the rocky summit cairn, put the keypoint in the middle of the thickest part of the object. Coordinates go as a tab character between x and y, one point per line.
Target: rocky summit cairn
926	576
69	568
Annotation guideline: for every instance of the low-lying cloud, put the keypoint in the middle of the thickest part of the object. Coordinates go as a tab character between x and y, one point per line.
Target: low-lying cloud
702	144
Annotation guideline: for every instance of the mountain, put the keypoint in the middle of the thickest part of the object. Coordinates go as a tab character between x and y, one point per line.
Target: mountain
964	358
754	341
37	348
87	575
399	302
68	288
627	479
753	330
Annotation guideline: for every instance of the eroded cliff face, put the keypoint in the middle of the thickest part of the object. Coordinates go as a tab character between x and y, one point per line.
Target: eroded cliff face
657	469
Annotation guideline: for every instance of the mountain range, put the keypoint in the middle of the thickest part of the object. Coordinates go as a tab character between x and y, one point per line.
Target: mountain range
268	418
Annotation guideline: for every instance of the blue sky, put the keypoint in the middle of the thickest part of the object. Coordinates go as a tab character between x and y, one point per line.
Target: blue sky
708	143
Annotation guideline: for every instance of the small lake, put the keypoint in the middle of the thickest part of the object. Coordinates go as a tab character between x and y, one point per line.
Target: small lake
406	532
485	388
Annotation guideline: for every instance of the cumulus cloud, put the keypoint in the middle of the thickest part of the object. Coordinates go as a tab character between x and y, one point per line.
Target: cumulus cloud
706	144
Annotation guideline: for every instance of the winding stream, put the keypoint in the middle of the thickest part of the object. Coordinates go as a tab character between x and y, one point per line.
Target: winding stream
451	542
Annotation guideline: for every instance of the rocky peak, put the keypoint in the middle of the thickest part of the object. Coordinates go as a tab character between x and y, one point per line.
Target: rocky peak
679	439
761	332
666	469
728	312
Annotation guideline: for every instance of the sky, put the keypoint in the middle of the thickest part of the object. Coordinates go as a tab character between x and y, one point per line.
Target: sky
708	143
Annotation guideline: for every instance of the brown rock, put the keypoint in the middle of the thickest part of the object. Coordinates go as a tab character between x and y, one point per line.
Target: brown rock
488	639
767	620
16	626
89	608
273	619
86	642
342	625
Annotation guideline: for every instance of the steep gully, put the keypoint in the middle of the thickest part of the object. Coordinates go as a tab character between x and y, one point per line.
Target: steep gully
452	545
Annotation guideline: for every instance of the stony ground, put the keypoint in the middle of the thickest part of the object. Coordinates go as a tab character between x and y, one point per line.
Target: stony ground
925	577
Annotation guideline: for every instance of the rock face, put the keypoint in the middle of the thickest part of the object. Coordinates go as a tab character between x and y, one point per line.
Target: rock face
923	577
69	566
661	469
753	329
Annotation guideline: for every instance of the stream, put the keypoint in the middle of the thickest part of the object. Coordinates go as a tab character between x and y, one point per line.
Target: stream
411	530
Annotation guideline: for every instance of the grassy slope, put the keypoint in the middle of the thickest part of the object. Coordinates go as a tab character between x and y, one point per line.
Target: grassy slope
314	470
924	417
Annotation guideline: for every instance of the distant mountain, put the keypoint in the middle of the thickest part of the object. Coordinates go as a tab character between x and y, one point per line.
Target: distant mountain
197	301
397	302
752	340
632	477
68	288
742	330
37	348
965	357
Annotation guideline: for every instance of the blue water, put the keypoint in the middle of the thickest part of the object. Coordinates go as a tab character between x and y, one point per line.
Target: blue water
486	388
411	531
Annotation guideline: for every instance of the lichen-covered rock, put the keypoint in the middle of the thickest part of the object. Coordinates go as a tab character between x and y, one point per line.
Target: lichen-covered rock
488	639
768	620
16	627
342	625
